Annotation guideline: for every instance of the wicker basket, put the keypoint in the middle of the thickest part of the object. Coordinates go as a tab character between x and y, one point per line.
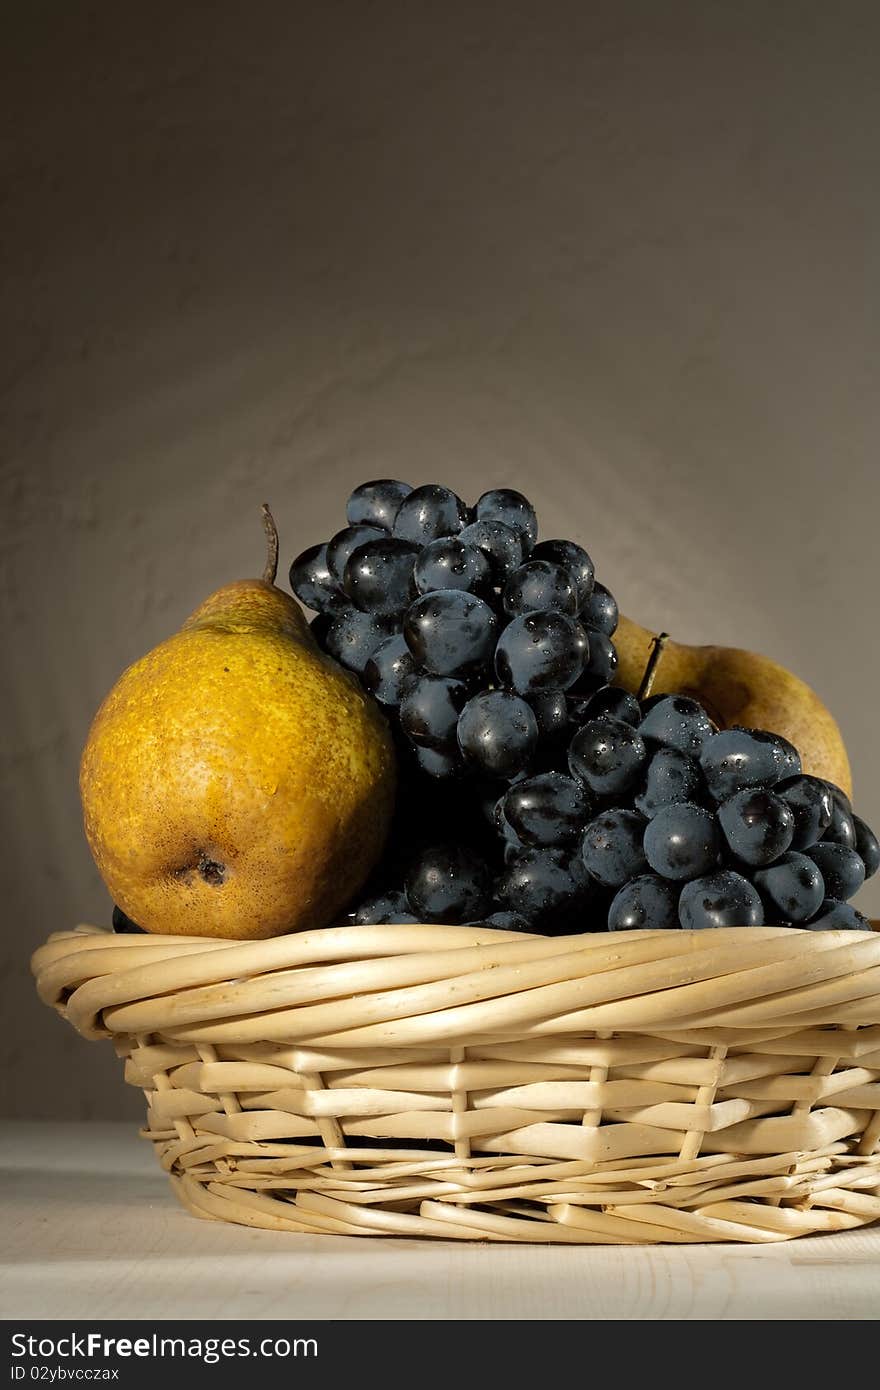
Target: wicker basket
471	1084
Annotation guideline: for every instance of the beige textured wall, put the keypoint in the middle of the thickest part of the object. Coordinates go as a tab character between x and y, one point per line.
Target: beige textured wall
620	255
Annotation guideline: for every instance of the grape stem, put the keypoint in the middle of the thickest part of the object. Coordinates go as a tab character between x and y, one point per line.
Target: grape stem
647	684
271	570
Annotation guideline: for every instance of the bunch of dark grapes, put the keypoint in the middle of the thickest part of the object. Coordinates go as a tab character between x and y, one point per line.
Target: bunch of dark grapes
534	795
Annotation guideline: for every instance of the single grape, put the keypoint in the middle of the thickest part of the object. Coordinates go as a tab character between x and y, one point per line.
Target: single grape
344	544
123	925
837	916
840	796
792	888
428	512
757	825
682	841
352	637
670	776
724	899
734	759
646	903
450	632
443	766
611	701
789	757
385	907
867	846
448	563
841	830
506	921
612	848
574	559
379	576
376	503
541	651
840	867
538	886
500	544
551	711
312	582
506	505
388	670
548	811
811	805
537	585
601	661
429	711
599	611
607	756
678	722
448	883
498	732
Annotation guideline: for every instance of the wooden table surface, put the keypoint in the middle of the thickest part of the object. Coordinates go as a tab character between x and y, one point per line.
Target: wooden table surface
90	1229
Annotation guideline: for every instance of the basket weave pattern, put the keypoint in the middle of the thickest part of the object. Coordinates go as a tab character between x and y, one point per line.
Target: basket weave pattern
465	1083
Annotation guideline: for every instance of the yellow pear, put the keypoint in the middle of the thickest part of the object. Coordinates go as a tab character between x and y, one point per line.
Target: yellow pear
236	782
739	687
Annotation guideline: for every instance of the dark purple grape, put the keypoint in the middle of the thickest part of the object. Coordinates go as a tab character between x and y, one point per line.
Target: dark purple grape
612	848
733	759
502	547
541	651
811	805
792	888
506	921
312	582
498	732
601	661
448	563
379	576
575	560
551	712
837	916
607	756
448	883
548	811
376	503
867	846
646	903
123	925
538	886
385	907
725	899
442	766
428	512
682	841
536	586
789	757
840	867
841	830
670	776
599	611
510	507
757	825
345	543
450	632
429	711
352	637
609	701
389	669
677	722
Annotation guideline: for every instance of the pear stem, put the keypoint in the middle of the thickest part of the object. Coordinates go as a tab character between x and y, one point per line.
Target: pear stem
657	646
271	570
